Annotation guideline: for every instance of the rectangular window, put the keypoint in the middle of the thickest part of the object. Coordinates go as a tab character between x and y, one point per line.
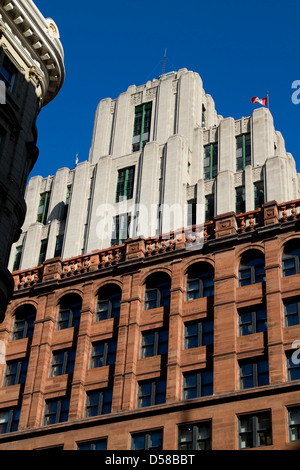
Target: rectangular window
195	436
240	200
255	430
56	411
192	212
100	444
9	420
125	184
243	151
58	246
254	373
294	423
259	194
291	311
151	393
120	232
8	73
203	116
293	366
198	333
43	208
63	362
252	320
142	125
210	163
197	384
154	343
98	403
18	256
209	207
67	202
151	440
43	251
103	354
16	372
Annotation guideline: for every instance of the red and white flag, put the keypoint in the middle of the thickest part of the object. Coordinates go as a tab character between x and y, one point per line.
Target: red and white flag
263	101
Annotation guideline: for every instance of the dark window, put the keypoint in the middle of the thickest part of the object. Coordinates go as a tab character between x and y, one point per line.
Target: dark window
125	184
154	343
210	167
18	256
195	436
8	73
56	411
69	312
16	372
254	373
43	208
252	320
108	305
98	403
203	116
157	292
209	207
43	251
197	384
200	281
240	200
58	245
292	311
293	365
192	212
93	445
294	423
151	393
103	354
255	430
243	151
259	194
252	268
9	420
24	322
151	440
67	202
198	333
121	227
63	362
141	128
291	259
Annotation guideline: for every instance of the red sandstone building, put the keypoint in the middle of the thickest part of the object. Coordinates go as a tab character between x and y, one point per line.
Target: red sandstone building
160	343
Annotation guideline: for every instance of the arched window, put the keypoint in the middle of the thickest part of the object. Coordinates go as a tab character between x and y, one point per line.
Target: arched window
69	311
24	322
252	268
157	292
109	299
200	281
291	258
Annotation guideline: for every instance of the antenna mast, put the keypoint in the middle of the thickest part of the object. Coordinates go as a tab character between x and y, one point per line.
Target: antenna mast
164	64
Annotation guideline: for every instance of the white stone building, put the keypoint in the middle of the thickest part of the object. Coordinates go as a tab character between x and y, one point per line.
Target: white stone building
161	155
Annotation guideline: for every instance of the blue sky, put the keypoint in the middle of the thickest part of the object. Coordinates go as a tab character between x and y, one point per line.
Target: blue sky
240	50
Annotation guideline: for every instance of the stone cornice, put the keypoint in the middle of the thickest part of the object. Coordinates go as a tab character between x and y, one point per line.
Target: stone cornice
25	33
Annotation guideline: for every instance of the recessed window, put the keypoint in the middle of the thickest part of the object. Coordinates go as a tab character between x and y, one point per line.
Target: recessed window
209	207
255	430
150	440
121	229
103	354
195	436
18	256
197	384
192	212
293	365
291	259
154	343
9	420
56	411
125	184
8	73
142	125
259	194
24	322
152	392
200	281
98	403
254	373
43	208
294	423
157	292
210	161
198	333
100	444
69	311
252	268
292	311
243	151
252	320
108	305
63	362
16	372
43	251
58	246
240	199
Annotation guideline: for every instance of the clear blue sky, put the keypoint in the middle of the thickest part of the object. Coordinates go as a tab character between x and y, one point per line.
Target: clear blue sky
240	50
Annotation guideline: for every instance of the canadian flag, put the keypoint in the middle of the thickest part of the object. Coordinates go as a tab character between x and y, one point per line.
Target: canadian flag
263	101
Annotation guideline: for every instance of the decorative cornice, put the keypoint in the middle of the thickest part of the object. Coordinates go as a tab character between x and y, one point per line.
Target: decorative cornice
35	41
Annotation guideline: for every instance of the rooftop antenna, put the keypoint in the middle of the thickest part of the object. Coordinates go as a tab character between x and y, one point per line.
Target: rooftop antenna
164	63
